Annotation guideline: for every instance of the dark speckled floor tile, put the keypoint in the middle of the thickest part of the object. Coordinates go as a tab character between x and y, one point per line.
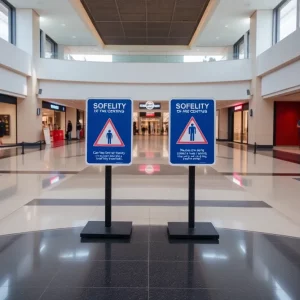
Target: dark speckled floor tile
95	294
8	293
218	275
243	265
202	294
29	275
102	274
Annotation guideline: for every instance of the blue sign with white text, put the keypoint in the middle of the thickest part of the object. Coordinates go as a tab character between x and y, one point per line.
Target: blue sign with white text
192	132
109	132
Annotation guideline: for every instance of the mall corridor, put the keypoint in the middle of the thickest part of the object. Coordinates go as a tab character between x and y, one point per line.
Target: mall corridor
48	196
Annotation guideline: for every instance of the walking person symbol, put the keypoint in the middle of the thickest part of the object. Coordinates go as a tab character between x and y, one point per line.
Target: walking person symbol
109	137
192	132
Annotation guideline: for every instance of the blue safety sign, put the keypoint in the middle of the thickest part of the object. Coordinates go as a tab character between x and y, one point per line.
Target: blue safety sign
192	134
109	131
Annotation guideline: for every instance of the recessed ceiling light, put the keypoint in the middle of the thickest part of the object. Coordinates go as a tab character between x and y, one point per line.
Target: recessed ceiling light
226	26
63	25
74	36
217	37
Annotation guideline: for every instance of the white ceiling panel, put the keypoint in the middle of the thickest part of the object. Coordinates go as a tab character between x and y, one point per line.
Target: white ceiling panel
60	21
230	21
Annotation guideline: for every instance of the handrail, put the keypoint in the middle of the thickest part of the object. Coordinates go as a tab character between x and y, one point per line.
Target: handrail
24	144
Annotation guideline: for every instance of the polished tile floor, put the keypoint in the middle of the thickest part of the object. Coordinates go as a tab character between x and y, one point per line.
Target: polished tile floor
46	197
56	264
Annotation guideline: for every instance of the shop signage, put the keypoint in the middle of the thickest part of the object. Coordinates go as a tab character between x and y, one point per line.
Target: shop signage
150	105
239	107
53	106
192	132
149	115
109	132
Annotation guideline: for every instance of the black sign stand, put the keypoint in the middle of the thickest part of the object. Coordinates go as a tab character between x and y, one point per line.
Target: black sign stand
192	230
107	229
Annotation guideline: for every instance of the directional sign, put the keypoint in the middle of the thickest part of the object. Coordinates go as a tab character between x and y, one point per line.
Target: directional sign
109	131
192	132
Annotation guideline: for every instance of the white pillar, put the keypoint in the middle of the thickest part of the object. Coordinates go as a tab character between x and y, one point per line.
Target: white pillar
60	52
223	124
28	39
43	44
71	114
261	123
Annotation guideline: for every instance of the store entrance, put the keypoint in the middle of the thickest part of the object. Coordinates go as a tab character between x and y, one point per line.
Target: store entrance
240	126
150	126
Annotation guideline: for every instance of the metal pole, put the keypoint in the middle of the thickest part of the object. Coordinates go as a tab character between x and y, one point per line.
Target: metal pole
23	148
191	197
108	177
255	146
40	145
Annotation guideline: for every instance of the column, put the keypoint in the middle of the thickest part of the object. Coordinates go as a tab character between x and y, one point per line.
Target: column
28	39
43	44
261	123
60	52
71	114
223	124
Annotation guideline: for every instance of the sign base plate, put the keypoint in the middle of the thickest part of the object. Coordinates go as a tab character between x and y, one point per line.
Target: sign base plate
97	230
201	231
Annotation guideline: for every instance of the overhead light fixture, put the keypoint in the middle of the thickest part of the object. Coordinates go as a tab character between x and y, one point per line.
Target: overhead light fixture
217	38
63	25
226	26
74	36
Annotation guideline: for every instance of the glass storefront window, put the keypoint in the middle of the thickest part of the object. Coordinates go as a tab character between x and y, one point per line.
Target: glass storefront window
4	22
50	48
240	125
286	17
237	128
242	50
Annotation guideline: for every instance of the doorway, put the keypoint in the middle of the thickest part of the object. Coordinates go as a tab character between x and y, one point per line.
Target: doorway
240	123
150	126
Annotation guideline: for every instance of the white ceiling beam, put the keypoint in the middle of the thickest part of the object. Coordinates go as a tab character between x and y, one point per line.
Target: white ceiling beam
78	7
203	22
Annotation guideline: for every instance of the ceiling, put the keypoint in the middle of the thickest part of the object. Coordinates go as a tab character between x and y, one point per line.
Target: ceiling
146	22
292	96
60	21
158	25
230	21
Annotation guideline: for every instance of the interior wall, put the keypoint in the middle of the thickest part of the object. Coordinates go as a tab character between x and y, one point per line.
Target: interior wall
223	124
287	114
10	109
63	90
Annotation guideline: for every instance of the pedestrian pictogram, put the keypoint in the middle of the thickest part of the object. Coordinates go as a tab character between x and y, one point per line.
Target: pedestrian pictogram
192	134
109	136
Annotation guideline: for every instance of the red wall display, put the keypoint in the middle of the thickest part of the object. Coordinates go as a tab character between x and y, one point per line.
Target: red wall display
286	118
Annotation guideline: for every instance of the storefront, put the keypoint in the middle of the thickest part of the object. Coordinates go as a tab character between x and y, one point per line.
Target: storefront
54	116
238	123
8	114
53	122
151	119
286	117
